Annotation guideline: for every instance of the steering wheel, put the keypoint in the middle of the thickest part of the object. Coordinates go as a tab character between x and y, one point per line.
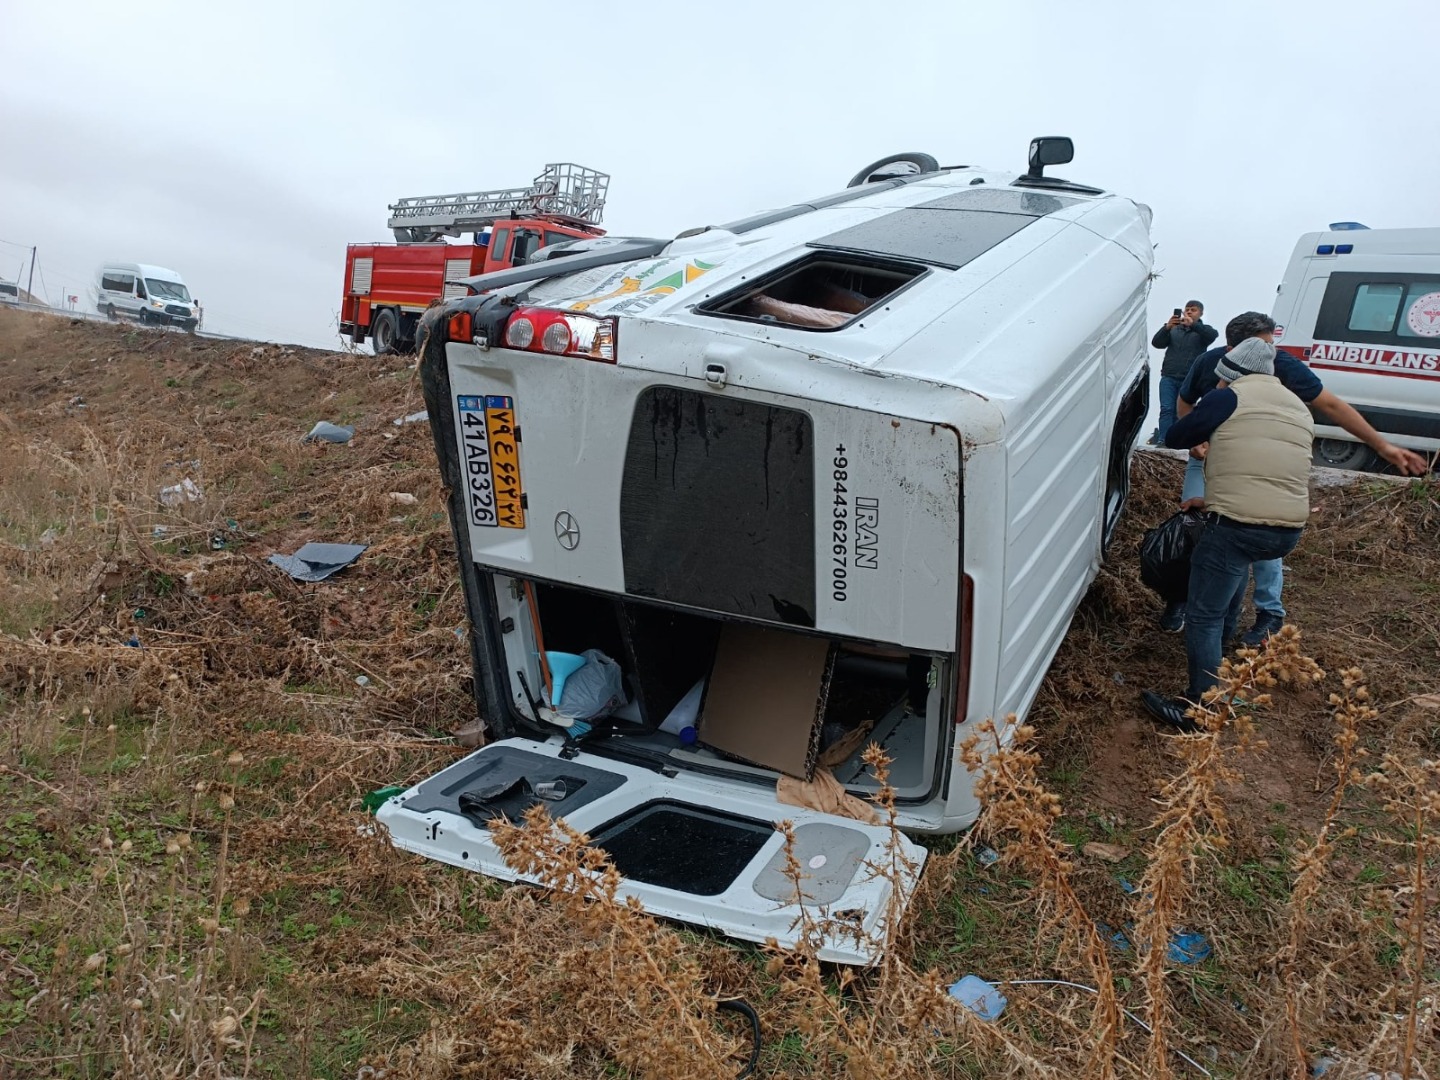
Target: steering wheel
910	162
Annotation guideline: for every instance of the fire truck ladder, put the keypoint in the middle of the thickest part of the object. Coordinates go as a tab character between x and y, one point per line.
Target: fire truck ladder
567	191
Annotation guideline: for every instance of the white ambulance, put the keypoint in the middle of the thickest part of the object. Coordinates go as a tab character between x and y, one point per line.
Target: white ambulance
843	471
1362	307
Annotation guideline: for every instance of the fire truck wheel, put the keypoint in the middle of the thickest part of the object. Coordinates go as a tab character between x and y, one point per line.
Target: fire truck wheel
919	163
385	333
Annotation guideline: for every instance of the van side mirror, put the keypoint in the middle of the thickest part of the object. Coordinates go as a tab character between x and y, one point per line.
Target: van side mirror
1049	150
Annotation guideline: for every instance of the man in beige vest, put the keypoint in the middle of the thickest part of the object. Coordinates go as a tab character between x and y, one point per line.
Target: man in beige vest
1257	501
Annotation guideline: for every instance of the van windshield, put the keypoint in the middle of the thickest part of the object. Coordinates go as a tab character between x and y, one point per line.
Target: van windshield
167	290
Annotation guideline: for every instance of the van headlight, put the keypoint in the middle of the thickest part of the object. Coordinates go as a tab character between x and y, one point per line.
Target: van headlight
157	303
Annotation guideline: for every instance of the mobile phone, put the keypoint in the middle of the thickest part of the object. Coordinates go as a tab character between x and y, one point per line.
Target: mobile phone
1177	313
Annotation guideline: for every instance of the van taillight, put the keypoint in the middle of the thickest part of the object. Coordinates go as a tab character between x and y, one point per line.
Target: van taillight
962	653
460	328
561	333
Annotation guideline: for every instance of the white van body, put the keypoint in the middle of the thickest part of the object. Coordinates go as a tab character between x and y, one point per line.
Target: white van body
933	480
151	294
1362	307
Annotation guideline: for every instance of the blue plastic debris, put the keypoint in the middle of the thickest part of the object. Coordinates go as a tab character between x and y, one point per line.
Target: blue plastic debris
987	856
980	997
1118	938
1187	947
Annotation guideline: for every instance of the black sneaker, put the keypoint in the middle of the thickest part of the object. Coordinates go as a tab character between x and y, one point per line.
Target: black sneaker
1266	623
1172	619
1169	711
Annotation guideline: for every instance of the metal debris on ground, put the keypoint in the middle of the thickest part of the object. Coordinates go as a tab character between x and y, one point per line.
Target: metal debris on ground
413	418
324	431
316	562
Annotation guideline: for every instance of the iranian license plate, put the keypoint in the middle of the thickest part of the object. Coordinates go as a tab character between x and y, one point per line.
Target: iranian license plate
490	446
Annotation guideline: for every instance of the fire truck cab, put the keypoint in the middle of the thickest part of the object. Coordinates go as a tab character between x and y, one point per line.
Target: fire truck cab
389	286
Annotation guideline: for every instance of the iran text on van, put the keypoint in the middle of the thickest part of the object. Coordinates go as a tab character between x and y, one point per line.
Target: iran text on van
151	294
832	474
1362	307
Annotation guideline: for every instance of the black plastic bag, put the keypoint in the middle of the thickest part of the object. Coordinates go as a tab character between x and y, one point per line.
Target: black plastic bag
1165	554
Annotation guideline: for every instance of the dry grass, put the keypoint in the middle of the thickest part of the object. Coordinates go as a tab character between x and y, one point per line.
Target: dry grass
189	886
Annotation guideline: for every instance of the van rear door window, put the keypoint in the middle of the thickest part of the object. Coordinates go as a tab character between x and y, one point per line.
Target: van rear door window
717	506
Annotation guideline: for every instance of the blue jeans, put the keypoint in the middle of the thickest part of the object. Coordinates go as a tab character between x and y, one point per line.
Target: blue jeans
1219	568
1269	574
1169	392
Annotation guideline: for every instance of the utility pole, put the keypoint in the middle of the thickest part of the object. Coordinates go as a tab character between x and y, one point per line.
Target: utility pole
30	296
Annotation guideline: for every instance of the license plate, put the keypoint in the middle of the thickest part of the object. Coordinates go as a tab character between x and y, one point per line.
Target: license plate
490	447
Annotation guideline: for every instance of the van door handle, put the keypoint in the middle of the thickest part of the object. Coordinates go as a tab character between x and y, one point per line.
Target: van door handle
715	374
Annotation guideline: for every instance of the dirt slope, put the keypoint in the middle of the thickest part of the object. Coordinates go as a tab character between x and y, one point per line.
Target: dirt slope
164	688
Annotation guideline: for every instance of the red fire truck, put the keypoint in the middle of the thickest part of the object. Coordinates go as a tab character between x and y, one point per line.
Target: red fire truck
389	286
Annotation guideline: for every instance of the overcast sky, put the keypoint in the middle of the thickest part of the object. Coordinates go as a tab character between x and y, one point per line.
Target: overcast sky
246	150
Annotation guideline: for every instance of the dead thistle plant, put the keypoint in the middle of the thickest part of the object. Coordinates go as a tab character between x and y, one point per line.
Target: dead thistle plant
1193	819
1018	807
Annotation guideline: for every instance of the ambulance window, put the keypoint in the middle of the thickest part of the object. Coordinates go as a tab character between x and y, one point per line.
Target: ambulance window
1375	307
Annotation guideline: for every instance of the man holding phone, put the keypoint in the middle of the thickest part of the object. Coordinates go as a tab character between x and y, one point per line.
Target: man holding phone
1183	337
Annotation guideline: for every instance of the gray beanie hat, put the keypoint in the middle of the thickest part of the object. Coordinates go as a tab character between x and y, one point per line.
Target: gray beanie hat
1253	356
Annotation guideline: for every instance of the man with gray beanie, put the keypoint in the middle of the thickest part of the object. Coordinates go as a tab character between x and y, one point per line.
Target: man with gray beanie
1257	501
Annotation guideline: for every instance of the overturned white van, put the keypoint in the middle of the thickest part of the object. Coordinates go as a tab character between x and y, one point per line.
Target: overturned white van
848	467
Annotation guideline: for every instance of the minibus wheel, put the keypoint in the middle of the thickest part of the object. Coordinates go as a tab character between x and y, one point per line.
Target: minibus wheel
1342	454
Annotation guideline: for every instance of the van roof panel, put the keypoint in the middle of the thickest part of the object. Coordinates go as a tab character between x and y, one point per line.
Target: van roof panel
940	237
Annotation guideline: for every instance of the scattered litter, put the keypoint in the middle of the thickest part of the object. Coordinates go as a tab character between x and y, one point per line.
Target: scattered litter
185	491
376	798
593	690
982	998
134	642
158	533
413	418
404	498
1323	1065
324	431
48	537
1425	701
987	856
362	680
1109	852
217	542
1116	938
138	614
472	734
683	716
1119	679
1187	947
316	562
1125	886
78	401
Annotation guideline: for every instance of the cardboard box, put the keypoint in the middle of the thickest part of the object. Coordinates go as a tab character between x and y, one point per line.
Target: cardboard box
765	698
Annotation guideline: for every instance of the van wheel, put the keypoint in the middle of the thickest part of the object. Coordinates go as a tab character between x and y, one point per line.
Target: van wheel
1342	454
385	333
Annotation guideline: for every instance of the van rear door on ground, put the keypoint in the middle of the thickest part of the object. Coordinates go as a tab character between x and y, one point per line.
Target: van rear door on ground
698	849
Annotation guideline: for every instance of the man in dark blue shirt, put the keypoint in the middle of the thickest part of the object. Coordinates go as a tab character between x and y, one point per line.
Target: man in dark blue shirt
1296	377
